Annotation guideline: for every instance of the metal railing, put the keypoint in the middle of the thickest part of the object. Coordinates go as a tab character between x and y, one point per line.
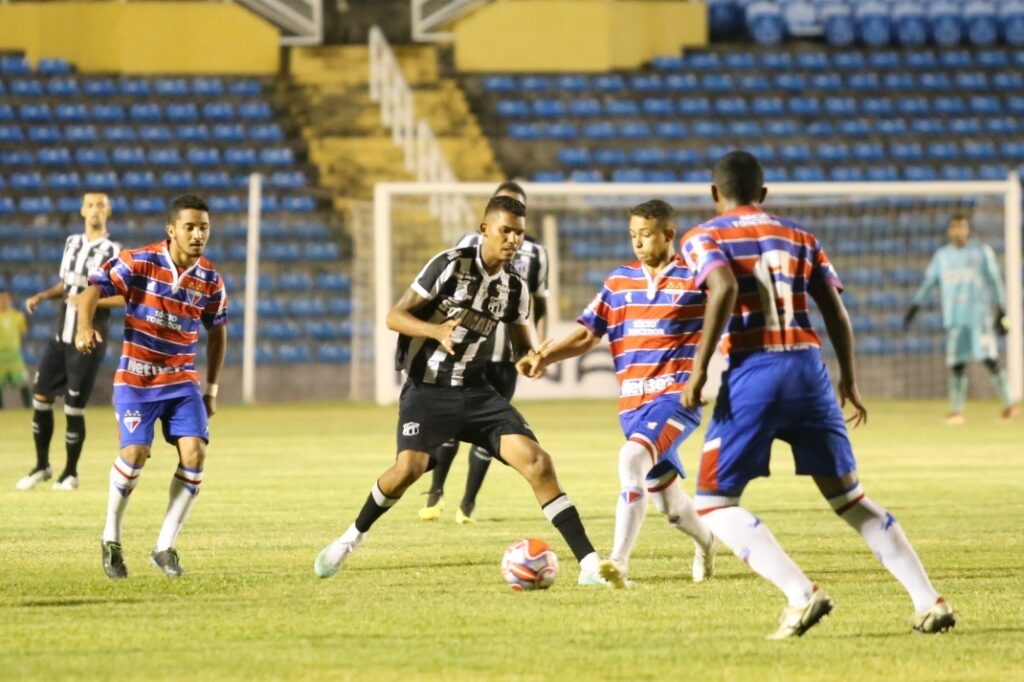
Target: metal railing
301	21
422	153
429	15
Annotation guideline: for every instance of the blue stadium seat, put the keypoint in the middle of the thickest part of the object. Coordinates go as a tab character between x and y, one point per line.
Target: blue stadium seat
808	174
524	131
298	204
902	81
14	64
241	156
670	130
62	87
795	153
203	156
943	150
621	107
176	180
982	23
92	156
745	128
148	204
657	106
573	83
681	82
846	174
644	82
785	127
1005	125
512	108
287	179
718	82
793	82
280	331
971	80
837	23
26	181
765	23
129	156
585	107
910	24
1010	80
877	106
892	126
820	128
769	106
627	175
16	157
549	108
801	19
7	205
754	83
256	111
887	173
731	106
864	81
333	281
213	179
945	24
805	106
229	132
27	87
931	126
139	180
919	173
589	175
44	134
54	156
609	83
840	106
873	23
32	113
81	133
671	62
708	128
146	112
135	87
107	113
649	156
307	306
333	353
164	156
573	156
156	133
64	181
869	151
277	156
738	60
913	105
694	106
500	84
99	87
101	180
35	205
1011	18
603	130
827	82
218	111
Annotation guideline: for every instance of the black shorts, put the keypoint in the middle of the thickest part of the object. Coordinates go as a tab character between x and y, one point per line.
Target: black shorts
502	376
63	369
429	415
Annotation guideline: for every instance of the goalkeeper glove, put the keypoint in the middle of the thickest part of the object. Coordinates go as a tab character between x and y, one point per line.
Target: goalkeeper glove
1002	322
909	317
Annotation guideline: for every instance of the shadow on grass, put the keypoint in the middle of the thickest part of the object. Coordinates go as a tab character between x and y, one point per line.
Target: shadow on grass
71	601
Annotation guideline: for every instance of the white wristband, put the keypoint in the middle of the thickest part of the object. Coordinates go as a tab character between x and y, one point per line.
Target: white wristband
211	390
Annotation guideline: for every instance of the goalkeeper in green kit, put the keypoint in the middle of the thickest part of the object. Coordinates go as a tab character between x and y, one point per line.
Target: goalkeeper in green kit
973	312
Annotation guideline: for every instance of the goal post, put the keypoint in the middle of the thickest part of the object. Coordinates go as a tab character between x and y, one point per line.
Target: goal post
880	235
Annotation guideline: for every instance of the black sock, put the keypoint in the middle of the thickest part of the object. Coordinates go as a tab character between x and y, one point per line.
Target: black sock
376	504
444	456
479	463
42	432
26	397
74	438
562	514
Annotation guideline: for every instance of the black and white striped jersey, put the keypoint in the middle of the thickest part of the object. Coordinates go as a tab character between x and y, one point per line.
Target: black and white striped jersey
531	262
80	258
457	286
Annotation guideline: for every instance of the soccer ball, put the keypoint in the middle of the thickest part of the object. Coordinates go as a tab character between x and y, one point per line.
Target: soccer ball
529	564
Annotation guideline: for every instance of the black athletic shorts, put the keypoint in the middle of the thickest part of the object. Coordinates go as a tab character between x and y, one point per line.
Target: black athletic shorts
429	415
502	376
63	369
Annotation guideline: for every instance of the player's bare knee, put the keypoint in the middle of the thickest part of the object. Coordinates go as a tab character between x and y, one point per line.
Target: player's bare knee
192	452
409	467
136	455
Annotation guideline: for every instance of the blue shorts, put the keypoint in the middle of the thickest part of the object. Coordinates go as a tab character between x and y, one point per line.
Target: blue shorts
767	396
661	426
181	417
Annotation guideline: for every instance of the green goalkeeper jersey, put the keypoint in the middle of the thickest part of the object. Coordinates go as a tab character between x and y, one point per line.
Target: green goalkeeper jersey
970	283
12	328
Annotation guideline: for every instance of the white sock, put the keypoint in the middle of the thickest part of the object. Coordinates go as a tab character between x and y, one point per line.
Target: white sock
351	534
631	508
589	563
184	489
679	509
123	479
751	541
889	543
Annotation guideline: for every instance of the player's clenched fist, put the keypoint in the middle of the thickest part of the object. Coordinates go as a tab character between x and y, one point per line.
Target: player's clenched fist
87	339
444	334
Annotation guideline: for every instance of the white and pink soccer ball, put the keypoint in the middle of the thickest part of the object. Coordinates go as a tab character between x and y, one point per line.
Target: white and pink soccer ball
529	564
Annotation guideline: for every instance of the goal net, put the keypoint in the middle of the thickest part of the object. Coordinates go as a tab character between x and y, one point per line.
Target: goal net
880	236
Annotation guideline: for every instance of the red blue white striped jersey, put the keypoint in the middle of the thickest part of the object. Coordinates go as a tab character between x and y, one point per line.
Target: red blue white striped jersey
774	260
163	310
653	323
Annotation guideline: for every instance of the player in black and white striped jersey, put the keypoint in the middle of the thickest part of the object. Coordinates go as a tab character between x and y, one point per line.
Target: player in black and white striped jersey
531	263
444	319
62	368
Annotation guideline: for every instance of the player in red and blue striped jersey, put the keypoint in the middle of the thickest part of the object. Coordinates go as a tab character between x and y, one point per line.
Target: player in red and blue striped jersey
653	313
170	291
777	387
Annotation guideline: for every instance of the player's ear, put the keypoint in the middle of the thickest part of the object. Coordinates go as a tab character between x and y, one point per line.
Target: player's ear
483	228
714	193
764	193
170	231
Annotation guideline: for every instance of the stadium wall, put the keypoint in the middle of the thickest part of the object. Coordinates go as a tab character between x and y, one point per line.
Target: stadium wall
576	35
143	37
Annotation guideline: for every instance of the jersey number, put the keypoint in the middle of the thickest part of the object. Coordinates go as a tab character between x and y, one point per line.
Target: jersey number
775	292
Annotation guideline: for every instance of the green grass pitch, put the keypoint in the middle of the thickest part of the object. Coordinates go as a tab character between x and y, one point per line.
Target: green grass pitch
425	601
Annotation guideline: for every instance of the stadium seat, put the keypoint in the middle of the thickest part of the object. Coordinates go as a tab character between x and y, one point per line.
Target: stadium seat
62	87
241	156
694	106
981	23
910	24
333	281
176	180
944	22
147	112
255	111
266	132
1011	18
681	82
765	23
14	65
873	25
837	23
156	133
298	204
44	134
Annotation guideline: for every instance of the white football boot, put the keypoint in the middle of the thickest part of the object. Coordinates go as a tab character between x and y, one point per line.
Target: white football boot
704	560
69	483
34	478
939	618
796	620
333	556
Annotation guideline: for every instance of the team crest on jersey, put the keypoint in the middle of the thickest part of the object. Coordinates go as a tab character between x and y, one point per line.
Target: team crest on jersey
410	429
131	420
194	296
497	306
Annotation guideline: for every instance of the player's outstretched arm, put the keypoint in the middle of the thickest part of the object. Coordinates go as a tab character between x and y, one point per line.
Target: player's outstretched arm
400	319
722	290
840	332
87	338
33	301
578	342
